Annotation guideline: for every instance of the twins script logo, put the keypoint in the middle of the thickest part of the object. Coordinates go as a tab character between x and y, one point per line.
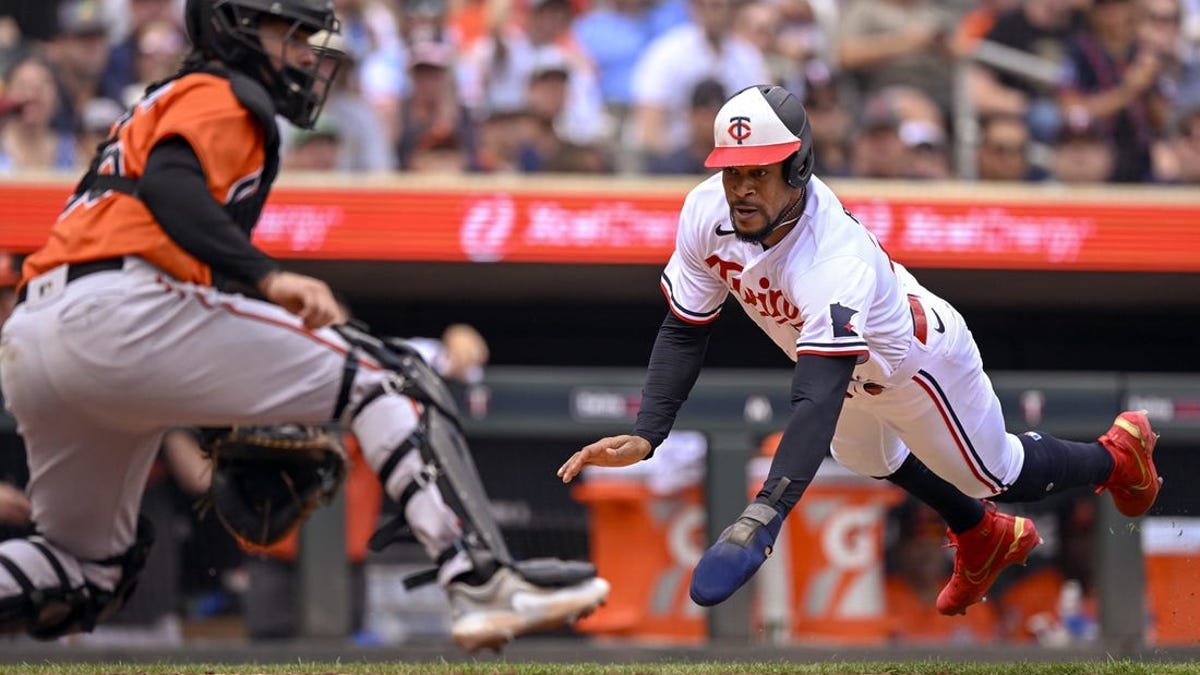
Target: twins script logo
739	128
768	301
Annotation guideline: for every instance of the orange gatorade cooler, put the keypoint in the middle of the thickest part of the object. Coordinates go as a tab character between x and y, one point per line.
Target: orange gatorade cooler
1171	546
825	580
647	533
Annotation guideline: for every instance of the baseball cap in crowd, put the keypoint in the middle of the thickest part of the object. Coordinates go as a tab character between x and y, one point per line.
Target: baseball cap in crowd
922	133
79	18
431	54
882	111
550	60
708	93
99	114
751	130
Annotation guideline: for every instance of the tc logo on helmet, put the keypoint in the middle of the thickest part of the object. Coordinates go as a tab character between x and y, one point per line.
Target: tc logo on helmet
739	128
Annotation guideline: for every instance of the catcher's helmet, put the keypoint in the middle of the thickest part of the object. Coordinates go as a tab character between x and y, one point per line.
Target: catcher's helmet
228	31
763	124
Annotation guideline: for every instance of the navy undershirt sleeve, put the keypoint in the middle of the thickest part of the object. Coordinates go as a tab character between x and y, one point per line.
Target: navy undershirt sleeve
174	188
675	364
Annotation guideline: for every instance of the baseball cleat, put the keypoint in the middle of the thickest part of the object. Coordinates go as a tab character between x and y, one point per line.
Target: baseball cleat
981	553
738	553
492	614
1134	481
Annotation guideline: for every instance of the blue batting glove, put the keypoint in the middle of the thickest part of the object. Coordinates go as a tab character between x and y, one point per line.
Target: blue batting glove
740	550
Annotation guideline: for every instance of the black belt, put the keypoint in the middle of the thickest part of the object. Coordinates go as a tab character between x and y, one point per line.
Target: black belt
78	270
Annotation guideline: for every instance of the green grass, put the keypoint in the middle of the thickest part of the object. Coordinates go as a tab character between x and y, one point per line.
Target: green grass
724	668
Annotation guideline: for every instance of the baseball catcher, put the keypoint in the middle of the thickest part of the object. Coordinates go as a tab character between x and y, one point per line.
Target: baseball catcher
123	330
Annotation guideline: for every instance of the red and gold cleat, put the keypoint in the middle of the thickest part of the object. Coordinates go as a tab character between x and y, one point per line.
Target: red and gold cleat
1134	481
981	553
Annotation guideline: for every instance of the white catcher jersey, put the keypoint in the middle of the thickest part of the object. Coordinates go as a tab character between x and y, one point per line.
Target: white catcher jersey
827	288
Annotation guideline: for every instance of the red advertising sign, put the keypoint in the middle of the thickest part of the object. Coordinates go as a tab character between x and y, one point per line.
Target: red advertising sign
599	221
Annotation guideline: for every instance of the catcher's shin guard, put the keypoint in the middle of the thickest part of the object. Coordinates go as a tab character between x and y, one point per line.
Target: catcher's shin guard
410	433
409	430
441	497
48	593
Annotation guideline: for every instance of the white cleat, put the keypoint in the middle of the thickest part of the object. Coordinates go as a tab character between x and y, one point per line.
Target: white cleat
492	614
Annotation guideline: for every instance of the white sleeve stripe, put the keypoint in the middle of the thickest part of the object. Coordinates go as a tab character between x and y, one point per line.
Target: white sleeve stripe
833	345
832	352
699	316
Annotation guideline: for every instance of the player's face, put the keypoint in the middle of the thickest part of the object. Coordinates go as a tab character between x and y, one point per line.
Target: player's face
757	196
287	46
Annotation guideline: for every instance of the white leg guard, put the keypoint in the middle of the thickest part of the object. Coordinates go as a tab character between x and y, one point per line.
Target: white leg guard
385	428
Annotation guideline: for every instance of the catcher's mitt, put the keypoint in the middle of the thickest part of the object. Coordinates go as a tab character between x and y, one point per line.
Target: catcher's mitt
267	479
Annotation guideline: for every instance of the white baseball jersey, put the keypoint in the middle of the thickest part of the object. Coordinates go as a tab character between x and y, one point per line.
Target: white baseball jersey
828	288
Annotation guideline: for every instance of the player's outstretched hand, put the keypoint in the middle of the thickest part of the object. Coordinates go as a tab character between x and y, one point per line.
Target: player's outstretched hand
306	297
611	451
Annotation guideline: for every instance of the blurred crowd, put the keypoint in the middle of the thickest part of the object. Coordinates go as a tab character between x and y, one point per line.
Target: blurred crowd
1018	90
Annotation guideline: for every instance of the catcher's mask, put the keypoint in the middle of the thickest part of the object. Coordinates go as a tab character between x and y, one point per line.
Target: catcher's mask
297	61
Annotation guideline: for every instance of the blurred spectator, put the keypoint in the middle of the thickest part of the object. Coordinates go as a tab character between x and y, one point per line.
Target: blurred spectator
445	155
879	150
372	37
423	21
614	34
96	121
27	140
1040	28
897	42
1056	604
467	21
431	113
12	43
315	149
1003	150
757	22
496	71
919	570
978	22
120	69
830	121
801	37
494	68
927	153
1083	153
1177	159
674	63
78	52
582	121
500	142
1113	83
707	98
159	48
1160	31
